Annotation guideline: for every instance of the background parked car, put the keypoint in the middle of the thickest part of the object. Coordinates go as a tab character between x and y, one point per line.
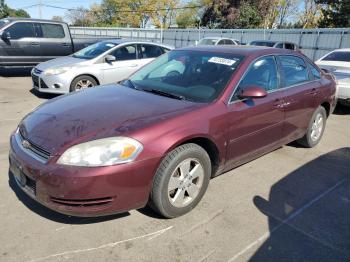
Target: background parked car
275	44
101	63
338	63
27	42
217	41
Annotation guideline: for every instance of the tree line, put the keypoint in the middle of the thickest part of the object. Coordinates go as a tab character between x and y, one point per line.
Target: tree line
207	13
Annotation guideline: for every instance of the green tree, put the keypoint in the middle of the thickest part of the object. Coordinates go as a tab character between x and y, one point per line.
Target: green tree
248	17
188	17
6	11
334	13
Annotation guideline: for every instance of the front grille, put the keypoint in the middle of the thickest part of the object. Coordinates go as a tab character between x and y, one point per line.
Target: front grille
37	150
42	84
82	202
37	71
35	80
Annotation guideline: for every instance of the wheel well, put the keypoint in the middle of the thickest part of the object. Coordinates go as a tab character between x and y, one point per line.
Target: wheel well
326	106
211	149
95	78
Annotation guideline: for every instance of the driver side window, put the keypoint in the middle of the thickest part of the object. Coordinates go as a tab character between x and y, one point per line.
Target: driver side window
125	53
262	73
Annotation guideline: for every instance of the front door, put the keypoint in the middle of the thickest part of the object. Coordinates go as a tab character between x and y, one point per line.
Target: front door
126	63
255	125
22	48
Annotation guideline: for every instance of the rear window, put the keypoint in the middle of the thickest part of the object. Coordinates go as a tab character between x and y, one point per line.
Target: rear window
338	56
207	41
52	31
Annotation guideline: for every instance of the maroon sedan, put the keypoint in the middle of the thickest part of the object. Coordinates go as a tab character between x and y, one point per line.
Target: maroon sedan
160	136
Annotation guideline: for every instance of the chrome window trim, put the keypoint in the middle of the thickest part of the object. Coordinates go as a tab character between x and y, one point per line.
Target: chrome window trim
28	152
278	89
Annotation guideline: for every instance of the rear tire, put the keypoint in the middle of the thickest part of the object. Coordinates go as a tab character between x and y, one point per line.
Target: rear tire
82	82
316	128
181	180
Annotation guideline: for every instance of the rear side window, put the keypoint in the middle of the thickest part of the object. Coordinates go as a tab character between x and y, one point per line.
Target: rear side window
314	71
21	30
262	73
294	70
150	51
279	45
289	46
228	42
52	31
338	56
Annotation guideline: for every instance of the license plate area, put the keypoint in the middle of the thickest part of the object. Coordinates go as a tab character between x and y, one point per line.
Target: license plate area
23	181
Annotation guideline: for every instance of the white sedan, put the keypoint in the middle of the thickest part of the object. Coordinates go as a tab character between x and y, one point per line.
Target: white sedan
105	62
338	63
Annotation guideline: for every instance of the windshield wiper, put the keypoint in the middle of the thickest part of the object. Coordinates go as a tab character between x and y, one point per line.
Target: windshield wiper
163	93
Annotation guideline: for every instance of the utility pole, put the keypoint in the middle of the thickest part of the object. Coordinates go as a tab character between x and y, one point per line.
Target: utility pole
39	7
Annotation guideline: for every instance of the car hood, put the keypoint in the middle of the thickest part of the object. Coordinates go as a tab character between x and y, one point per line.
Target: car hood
61	62
97	113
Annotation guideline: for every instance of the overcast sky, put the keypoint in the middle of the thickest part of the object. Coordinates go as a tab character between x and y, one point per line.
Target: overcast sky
47	12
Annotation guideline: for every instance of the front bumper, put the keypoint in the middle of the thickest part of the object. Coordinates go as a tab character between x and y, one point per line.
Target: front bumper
54	84
83	191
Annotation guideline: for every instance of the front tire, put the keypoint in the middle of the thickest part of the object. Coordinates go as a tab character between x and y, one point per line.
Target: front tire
316	128
180	181
82	82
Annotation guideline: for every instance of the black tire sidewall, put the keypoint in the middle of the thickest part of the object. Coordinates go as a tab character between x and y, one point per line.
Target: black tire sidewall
170	162
77	79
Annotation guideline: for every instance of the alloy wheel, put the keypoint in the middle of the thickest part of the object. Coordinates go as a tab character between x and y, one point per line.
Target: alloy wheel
185	182
317	127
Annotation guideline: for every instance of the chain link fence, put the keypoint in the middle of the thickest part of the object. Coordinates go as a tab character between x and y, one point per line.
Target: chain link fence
313	42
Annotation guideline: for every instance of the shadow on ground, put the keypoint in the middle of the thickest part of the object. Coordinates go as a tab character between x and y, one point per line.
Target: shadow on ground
43	95
55	216
15	72
309	212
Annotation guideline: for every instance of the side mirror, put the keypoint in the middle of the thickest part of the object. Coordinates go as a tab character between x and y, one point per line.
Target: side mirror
110	58
253	92
6	35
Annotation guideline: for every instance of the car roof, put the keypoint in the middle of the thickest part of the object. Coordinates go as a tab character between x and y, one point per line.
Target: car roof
239	49
342	50
12	19
118	41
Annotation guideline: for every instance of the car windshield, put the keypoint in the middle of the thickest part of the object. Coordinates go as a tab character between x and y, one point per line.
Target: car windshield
94	50
341	56
262	43
192	75
207	41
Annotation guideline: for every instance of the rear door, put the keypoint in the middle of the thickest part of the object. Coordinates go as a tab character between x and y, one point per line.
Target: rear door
149	52
301	91
22	48
255	125
54	41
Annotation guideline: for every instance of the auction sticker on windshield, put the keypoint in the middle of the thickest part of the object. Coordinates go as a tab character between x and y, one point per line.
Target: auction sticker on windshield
223	61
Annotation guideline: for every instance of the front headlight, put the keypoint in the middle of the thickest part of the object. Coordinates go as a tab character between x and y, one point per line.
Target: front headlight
102	152
56	71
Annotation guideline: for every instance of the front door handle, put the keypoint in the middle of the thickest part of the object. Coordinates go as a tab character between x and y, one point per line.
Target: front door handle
65	44
278	103
34	43
133	65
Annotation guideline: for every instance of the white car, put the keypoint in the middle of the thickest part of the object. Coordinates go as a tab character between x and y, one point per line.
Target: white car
101	63
217	41
338	63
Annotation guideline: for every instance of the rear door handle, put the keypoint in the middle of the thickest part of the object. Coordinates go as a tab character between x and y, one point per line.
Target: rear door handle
65	44
313	91
133	65
34	43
